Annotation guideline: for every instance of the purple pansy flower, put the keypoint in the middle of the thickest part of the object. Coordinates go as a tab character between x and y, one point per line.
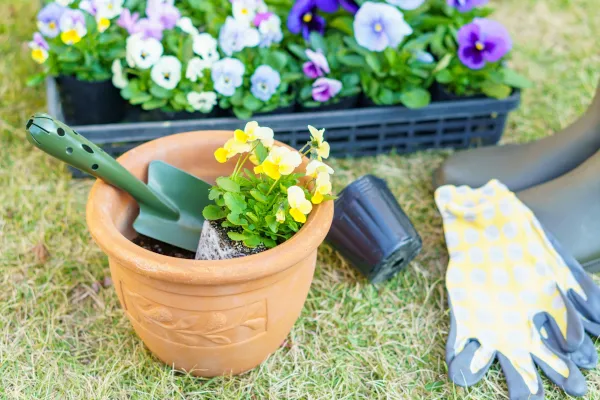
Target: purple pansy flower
482	41
466	5
150	28
128	21
39	42
48	19
378	26
165	12
349	5
265	82
317	66
325	88
303	18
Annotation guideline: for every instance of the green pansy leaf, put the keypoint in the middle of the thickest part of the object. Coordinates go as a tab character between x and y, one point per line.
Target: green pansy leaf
252	103
514	79
235	236
213	212
344	24
444	76
235	219
259	196
252	241
242	113
35	79
269	243
415	98
317	42
235	202
352	60
261	152
140	98
443	63
214	194
272	223
298	51
496	90
160	92
153	104
227	184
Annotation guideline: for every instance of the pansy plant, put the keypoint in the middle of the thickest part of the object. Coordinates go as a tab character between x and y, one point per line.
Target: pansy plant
394	67
478	66
325	80
255	74
78	39
268	204
168	62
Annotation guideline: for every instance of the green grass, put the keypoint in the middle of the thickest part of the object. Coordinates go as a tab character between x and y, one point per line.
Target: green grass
60	338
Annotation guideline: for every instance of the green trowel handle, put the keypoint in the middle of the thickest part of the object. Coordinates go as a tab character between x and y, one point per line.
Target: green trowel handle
62	142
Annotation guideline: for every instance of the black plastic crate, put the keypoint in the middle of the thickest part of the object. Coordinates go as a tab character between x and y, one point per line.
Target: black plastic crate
351	133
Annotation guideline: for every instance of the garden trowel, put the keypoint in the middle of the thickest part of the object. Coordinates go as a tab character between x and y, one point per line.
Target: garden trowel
171	203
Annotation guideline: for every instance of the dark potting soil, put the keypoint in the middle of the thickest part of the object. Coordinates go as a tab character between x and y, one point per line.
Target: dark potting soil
156	246
238	246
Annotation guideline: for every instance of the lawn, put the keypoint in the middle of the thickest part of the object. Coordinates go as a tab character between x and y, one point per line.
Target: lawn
63	335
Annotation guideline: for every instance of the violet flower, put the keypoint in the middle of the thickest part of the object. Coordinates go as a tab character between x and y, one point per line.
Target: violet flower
265	82
150	28
165	12
128	21
325	88
349	5
378	26
39	48
466	5
482	41
303	18
260	17
48	19
317	65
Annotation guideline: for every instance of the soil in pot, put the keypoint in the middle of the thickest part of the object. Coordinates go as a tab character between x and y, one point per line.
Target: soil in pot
345	103
158	247
89	103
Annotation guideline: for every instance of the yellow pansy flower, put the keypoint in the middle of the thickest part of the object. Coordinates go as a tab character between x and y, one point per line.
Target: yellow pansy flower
280	215
318	143
323	187
252	132
70	37
315	166
280	161
231	148
39	55
102	24
299	206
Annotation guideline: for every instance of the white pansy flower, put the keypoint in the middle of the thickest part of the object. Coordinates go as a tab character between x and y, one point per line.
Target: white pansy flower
206	47
315	167
244	10
118	79
186	25
142	53
203	102
108	8
235	35
270	31
195	68
166	73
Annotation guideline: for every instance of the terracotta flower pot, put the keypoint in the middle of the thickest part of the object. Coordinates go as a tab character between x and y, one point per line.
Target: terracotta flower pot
206	317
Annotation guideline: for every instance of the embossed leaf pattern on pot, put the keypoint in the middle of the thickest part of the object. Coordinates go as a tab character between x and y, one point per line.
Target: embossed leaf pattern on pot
198	328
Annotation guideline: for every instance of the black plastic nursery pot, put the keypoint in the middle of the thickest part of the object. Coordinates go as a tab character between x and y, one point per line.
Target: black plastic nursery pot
138	114
87	103
353	132
371	230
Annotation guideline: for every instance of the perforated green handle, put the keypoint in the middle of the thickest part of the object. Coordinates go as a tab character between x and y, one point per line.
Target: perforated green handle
64	143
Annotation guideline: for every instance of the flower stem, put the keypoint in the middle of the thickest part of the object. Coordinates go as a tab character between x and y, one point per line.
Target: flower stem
272	186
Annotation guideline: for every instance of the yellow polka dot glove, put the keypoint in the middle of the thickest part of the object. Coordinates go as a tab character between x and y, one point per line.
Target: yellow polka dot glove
513	294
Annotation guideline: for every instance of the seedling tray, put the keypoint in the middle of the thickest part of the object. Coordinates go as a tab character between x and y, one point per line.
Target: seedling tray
354	132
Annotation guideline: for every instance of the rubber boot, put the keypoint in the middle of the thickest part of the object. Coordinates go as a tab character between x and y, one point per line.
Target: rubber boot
569	207
520	166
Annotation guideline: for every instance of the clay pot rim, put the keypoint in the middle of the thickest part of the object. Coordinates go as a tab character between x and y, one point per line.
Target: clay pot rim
161	267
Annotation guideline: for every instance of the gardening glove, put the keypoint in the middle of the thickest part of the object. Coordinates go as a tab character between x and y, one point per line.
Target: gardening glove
513	294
